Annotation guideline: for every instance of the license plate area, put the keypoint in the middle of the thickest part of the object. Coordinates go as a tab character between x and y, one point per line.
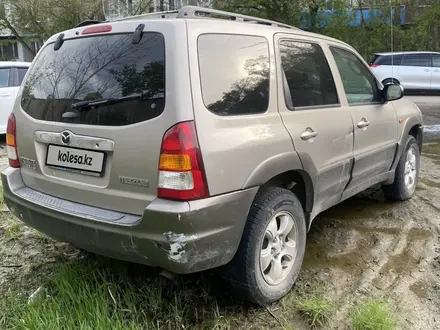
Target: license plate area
77	160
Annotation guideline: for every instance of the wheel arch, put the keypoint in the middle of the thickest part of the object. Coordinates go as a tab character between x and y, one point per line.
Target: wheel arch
413	126
285	170
390	80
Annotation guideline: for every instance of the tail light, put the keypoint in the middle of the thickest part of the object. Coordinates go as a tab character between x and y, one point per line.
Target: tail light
181	172
374	65
11	142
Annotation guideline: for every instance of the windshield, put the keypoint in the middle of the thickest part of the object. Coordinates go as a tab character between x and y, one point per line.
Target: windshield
94	68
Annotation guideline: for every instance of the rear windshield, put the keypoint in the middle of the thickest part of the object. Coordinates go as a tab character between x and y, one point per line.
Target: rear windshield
99	68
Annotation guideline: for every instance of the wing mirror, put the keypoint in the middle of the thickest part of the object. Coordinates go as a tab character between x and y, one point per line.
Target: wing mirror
393	92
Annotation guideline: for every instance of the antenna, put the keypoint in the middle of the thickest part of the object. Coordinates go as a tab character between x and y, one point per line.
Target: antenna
392	41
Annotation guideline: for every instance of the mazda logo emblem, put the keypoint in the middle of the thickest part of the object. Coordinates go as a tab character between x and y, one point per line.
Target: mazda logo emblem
65	138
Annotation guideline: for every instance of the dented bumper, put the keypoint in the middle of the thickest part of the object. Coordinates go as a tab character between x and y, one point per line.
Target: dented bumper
182	237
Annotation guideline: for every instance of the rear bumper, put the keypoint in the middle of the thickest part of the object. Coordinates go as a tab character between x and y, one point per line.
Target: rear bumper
182	237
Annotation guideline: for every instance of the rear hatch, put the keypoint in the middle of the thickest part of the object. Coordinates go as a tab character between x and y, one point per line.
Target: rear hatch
93	112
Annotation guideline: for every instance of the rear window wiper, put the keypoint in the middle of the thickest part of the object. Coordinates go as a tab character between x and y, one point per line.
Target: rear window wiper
88	104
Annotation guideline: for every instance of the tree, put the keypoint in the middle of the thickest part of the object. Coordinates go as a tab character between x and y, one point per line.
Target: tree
43	18
286	11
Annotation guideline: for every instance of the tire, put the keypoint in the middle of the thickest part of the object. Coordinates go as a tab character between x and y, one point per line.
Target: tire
404	187
390	81
272	206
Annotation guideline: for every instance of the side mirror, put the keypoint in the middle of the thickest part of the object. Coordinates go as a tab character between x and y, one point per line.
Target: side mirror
393	92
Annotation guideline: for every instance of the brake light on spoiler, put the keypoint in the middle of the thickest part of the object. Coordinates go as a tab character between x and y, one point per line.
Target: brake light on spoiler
97	29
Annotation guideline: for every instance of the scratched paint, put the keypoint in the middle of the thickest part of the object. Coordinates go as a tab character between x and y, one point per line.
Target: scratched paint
176	251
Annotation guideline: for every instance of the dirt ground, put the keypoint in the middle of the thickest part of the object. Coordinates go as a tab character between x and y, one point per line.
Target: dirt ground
364	247
369	247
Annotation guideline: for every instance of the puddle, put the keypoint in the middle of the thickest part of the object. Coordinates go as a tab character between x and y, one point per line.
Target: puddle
420	289
430	183
317	256
431	128
418	234
400	263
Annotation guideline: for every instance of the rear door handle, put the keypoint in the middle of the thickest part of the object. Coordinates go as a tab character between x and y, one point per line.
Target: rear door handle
363	124
427	70
308	134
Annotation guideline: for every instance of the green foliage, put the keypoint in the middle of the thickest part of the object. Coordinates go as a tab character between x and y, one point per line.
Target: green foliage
373	315
370	37
317	310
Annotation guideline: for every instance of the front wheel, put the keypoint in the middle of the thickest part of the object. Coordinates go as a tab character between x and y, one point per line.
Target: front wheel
271	251
407	173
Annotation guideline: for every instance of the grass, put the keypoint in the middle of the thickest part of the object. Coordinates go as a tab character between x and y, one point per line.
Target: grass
431	148
309	299
99	293
317	310
13	230
375	314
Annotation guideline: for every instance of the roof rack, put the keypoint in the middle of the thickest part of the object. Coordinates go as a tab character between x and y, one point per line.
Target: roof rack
160	14
201	12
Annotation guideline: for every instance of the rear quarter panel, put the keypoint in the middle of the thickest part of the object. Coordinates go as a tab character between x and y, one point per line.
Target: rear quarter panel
234	146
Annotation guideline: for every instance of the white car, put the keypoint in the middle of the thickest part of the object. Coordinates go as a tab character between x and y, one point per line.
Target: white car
11	76
415	71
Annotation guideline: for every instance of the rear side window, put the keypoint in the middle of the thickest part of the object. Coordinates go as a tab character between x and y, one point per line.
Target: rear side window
21	73
126	80
234	73
436	60
4	77
388	60
308	80
417	60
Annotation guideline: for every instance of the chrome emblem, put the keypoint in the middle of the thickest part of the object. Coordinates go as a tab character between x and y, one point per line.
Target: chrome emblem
65	138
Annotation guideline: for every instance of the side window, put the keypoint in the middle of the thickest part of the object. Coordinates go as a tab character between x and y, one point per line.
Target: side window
21	73
389	60
417	60
436	60
234	73
359	83
307	76
4	77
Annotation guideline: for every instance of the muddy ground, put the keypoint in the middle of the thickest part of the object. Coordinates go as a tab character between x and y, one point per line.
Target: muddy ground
364	247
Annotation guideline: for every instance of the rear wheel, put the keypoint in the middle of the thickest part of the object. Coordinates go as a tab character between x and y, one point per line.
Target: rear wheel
407	173
271	251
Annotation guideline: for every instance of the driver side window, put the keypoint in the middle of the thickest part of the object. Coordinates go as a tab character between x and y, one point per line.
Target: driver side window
359	83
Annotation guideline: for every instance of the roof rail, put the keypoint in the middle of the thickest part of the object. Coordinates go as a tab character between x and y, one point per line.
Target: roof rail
160	14
202	12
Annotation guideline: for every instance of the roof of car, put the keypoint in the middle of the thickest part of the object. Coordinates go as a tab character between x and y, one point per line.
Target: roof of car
14	64
213	16
403	53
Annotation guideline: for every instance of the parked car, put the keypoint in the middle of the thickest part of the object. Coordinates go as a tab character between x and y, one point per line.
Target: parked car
415	71
188	143
11	76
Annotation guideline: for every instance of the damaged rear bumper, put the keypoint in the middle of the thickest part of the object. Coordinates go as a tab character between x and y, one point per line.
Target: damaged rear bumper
182	237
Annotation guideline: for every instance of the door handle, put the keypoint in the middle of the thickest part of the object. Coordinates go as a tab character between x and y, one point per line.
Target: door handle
427	70
436	70
308	134
363	124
